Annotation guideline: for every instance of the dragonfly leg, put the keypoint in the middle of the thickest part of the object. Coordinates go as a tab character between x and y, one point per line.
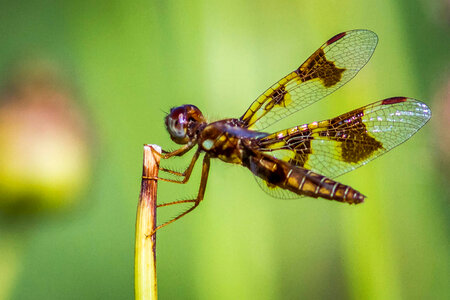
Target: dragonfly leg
177	152
196	201
173	172
187	173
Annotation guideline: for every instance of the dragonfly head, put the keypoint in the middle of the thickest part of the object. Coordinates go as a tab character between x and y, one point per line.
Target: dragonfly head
182	123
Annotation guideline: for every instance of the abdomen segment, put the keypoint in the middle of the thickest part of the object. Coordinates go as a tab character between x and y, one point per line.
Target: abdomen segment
280	174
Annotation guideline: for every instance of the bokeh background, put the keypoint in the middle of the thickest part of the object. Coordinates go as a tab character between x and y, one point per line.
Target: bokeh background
84	84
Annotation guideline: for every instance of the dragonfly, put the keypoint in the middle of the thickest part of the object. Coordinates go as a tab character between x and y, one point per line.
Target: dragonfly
305	159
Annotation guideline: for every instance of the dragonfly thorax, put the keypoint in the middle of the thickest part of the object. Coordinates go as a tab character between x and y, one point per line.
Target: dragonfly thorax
182	123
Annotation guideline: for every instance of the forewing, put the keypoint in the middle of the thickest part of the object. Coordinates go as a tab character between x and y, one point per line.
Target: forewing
339	145
330	67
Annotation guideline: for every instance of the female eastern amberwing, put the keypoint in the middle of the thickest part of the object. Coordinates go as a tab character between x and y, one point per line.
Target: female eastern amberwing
300	161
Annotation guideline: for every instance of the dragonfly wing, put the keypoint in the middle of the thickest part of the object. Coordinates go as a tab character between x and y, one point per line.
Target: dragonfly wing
330	67
339	145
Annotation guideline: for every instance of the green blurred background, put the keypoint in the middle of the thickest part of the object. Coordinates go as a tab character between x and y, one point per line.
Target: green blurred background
125	63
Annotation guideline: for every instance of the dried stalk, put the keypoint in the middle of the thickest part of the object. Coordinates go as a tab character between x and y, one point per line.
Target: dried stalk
145	286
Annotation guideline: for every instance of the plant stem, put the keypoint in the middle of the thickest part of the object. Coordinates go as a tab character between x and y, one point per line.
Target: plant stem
12	246
145	286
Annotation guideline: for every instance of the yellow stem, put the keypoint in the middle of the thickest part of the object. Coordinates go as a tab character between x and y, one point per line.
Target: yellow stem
145	286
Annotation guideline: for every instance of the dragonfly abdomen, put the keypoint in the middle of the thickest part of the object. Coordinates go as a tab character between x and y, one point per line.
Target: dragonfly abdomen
277	173
315	185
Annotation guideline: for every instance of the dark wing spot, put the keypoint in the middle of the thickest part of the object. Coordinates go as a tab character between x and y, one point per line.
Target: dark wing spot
351	132
302	149
278	98
317	66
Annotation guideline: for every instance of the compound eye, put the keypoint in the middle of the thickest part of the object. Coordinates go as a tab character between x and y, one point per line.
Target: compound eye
180	122
177	125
